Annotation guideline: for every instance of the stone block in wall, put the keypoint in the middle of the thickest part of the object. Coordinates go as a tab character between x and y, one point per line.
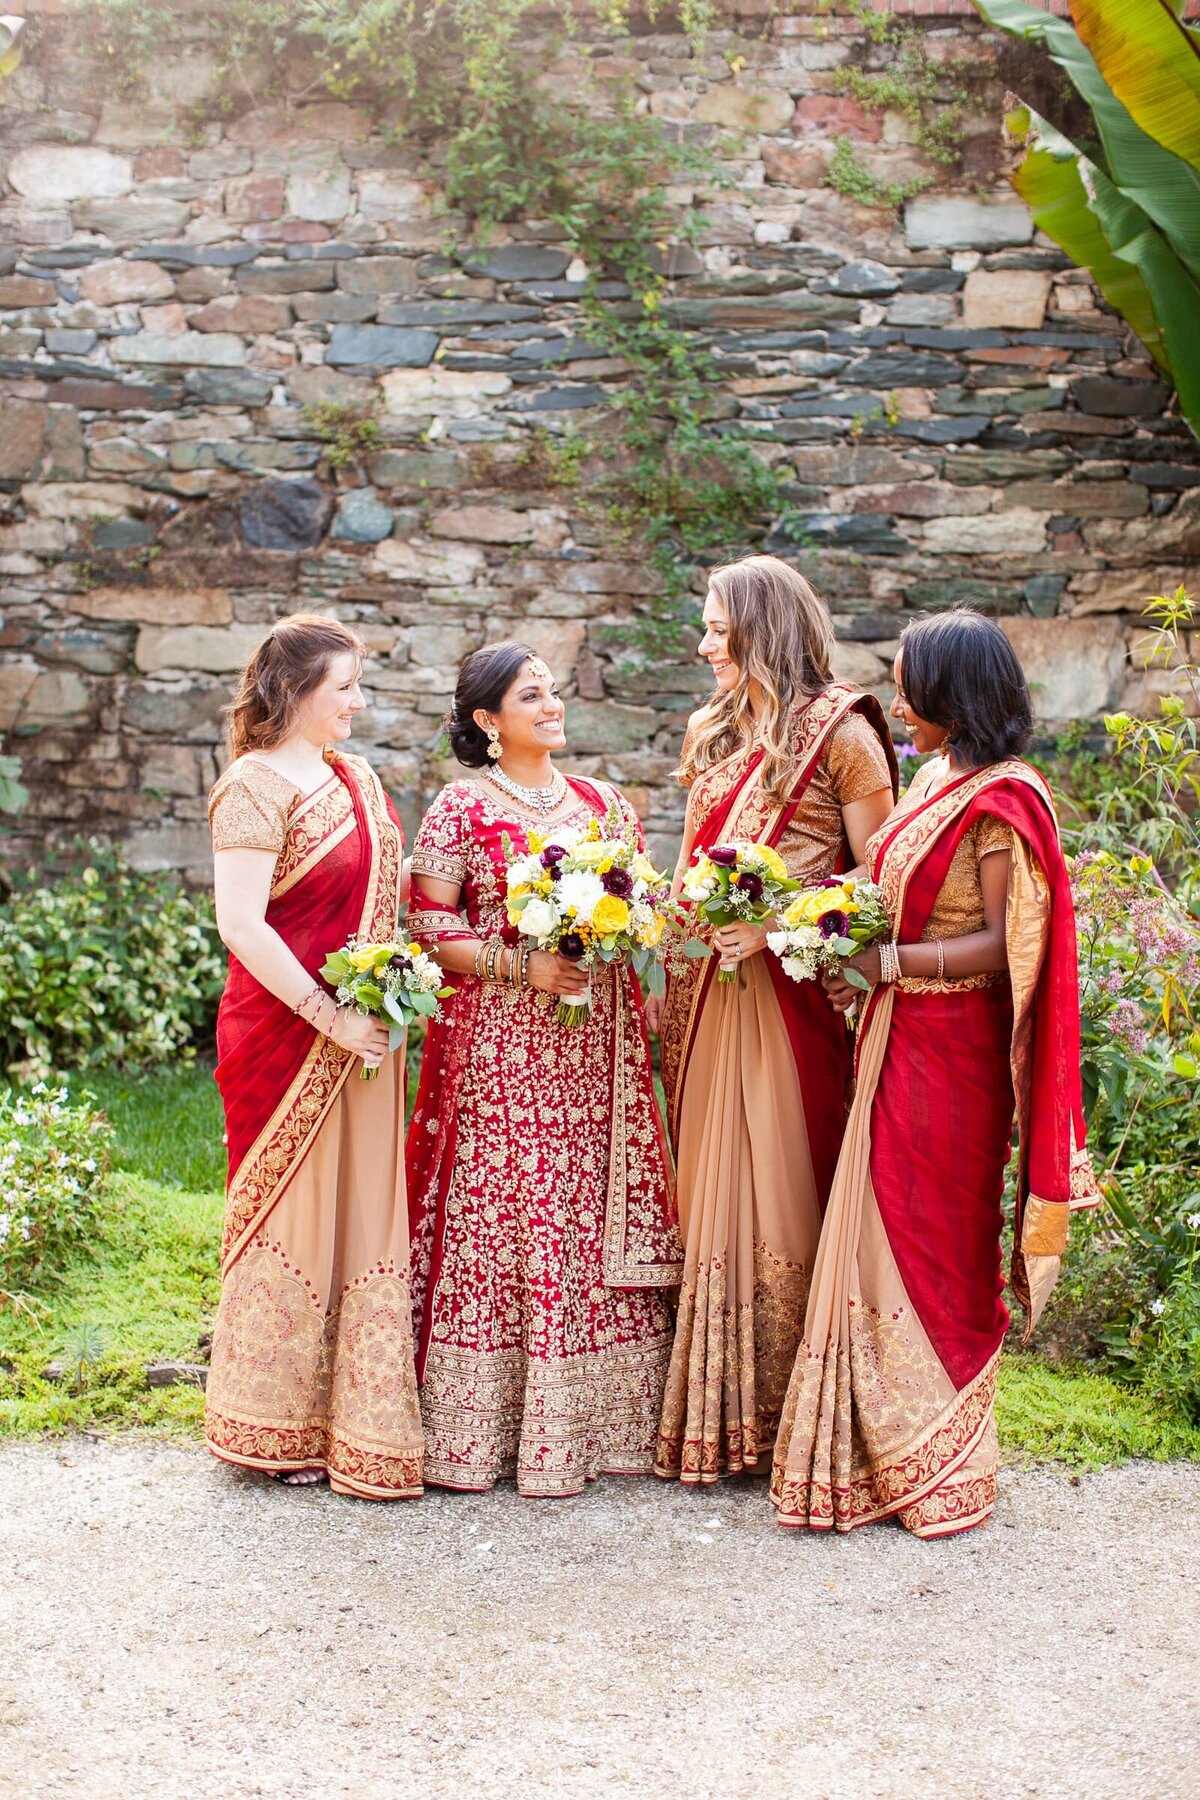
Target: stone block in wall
338	309
186	707
178	769
56	174
81	499
1015	531
39	442
1011	299
249	313
445	391
131	218
438	565
1074	666
17	676
321	194
213	650
795	165
744	108
441	646
919	500
114	281
185	848
381	346
26	290
379	275
285	515
482	524
125	456
362	517
153	606
1080	499
57	697
957	223
518	262
385	196
212	349
1124	590
255	197
601	728
1177	536
854	465
414	471
286	277
1119	399
859	665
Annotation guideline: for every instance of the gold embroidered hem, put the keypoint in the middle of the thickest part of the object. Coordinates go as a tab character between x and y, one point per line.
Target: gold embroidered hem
355	1469
553	1425
934	984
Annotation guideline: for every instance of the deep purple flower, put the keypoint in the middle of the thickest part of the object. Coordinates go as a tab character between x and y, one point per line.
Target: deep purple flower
831	881
725	856
553	853
833	924
749	884
618	882
571	946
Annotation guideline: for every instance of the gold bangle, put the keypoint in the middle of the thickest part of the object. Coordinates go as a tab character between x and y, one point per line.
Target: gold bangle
941	950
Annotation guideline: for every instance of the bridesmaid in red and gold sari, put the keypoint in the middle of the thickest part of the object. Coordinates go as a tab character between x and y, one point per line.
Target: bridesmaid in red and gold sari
543	1218
973	1014
312	1361
757	1072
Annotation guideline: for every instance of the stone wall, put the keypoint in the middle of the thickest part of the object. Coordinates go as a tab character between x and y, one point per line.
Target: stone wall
955	416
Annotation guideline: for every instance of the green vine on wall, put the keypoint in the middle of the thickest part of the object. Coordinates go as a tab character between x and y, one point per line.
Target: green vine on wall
466	83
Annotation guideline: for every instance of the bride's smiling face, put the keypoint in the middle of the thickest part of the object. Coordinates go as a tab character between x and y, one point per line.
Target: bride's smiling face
531	717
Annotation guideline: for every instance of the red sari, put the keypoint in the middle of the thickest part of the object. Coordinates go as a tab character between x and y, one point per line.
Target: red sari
890	1409
312	1349
541	1206
757	1076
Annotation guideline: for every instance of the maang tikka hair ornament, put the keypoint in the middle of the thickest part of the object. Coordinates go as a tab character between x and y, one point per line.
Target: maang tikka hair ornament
539	670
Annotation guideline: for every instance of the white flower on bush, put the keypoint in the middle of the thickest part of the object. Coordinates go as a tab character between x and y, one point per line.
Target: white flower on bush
1193	1221
579	890
5	1226
538	918
1158	1307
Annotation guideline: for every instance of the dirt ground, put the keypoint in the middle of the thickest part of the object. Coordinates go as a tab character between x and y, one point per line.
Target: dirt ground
175	1629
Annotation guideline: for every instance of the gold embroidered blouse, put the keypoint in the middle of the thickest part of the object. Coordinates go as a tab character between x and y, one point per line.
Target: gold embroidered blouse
853	765
958	908
249	807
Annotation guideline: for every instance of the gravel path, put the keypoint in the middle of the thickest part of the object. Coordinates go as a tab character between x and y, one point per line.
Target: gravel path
173	1629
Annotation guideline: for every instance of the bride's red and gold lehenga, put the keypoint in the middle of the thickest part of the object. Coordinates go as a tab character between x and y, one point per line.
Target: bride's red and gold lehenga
890	1407
312	1354
757	1074
541	1208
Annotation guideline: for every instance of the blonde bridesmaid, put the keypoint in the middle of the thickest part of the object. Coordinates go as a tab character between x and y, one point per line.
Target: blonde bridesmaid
757	1072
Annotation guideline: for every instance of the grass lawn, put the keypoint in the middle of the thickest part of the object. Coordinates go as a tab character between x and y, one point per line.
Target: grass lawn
150	1281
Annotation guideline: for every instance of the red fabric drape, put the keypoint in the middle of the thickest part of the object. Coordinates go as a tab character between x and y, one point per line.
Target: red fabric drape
261	1044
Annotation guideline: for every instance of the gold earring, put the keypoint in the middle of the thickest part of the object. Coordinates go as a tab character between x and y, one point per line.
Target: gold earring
495	748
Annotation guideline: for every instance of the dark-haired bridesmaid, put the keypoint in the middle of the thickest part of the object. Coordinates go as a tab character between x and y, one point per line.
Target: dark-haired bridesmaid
541	1206
973	1016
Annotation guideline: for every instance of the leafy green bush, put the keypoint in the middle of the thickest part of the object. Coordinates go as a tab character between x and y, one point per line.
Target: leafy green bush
104	966
54	1161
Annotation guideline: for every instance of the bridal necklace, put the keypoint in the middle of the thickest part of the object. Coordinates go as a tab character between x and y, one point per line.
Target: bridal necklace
541	800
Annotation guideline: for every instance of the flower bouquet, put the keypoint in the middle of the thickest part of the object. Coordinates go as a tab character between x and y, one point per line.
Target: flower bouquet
825	925
591	896
732	882
393	982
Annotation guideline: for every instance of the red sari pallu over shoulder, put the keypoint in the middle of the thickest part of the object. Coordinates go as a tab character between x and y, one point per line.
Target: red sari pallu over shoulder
312	1349
757	1076
541	1205
890	1409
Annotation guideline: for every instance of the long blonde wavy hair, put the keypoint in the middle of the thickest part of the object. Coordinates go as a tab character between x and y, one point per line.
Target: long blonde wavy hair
781	637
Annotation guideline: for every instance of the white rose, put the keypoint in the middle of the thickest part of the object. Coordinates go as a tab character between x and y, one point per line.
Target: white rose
777	941
525	870
579	889
538	919
799	968
698	888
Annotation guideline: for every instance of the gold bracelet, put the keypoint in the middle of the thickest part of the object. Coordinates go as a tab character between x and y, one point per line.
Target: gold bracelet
941	950
889	961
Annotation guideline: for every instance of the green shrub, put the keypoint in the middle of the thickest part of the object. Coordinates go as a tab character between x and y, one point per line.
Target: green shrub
54	1161
104	966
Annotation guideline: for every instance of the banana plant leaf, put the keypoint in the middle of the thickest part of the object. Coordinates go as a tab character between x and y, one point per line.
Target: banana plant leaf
1151	61
1157	180
1074	202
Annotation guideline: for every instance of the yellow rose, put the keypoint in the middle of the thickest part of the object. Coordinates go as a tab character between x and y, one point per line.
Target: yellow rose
653	931
610	914
644	869
363	960
772	860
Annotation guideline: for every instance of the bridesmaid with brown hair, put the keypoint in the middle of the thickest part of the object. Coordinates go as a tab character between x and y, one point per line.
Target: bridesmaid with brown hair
757	1072
312	1359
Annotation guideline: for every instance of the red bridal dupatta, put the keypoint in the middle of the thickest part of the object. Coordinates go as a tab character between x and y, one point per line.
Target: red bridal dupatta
890	1406
278	1078
757	1076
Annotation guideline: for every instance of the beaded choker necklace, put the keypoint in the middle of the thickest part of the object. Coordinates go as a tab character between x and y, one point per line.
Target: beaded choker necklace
541	800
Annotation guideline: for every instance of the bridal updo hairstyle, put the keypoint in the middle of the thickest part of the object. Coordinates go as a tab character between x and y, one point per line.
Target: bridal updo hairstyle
958	670
484	677
291	661
780	636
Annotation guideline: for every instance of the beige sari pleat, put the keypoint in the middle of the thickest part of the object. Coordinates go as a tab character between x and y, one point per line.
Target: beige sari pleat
750	1220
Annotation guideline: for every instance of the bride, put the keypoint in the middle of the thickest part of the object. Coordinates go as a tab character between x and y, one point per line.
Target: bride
540	1195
